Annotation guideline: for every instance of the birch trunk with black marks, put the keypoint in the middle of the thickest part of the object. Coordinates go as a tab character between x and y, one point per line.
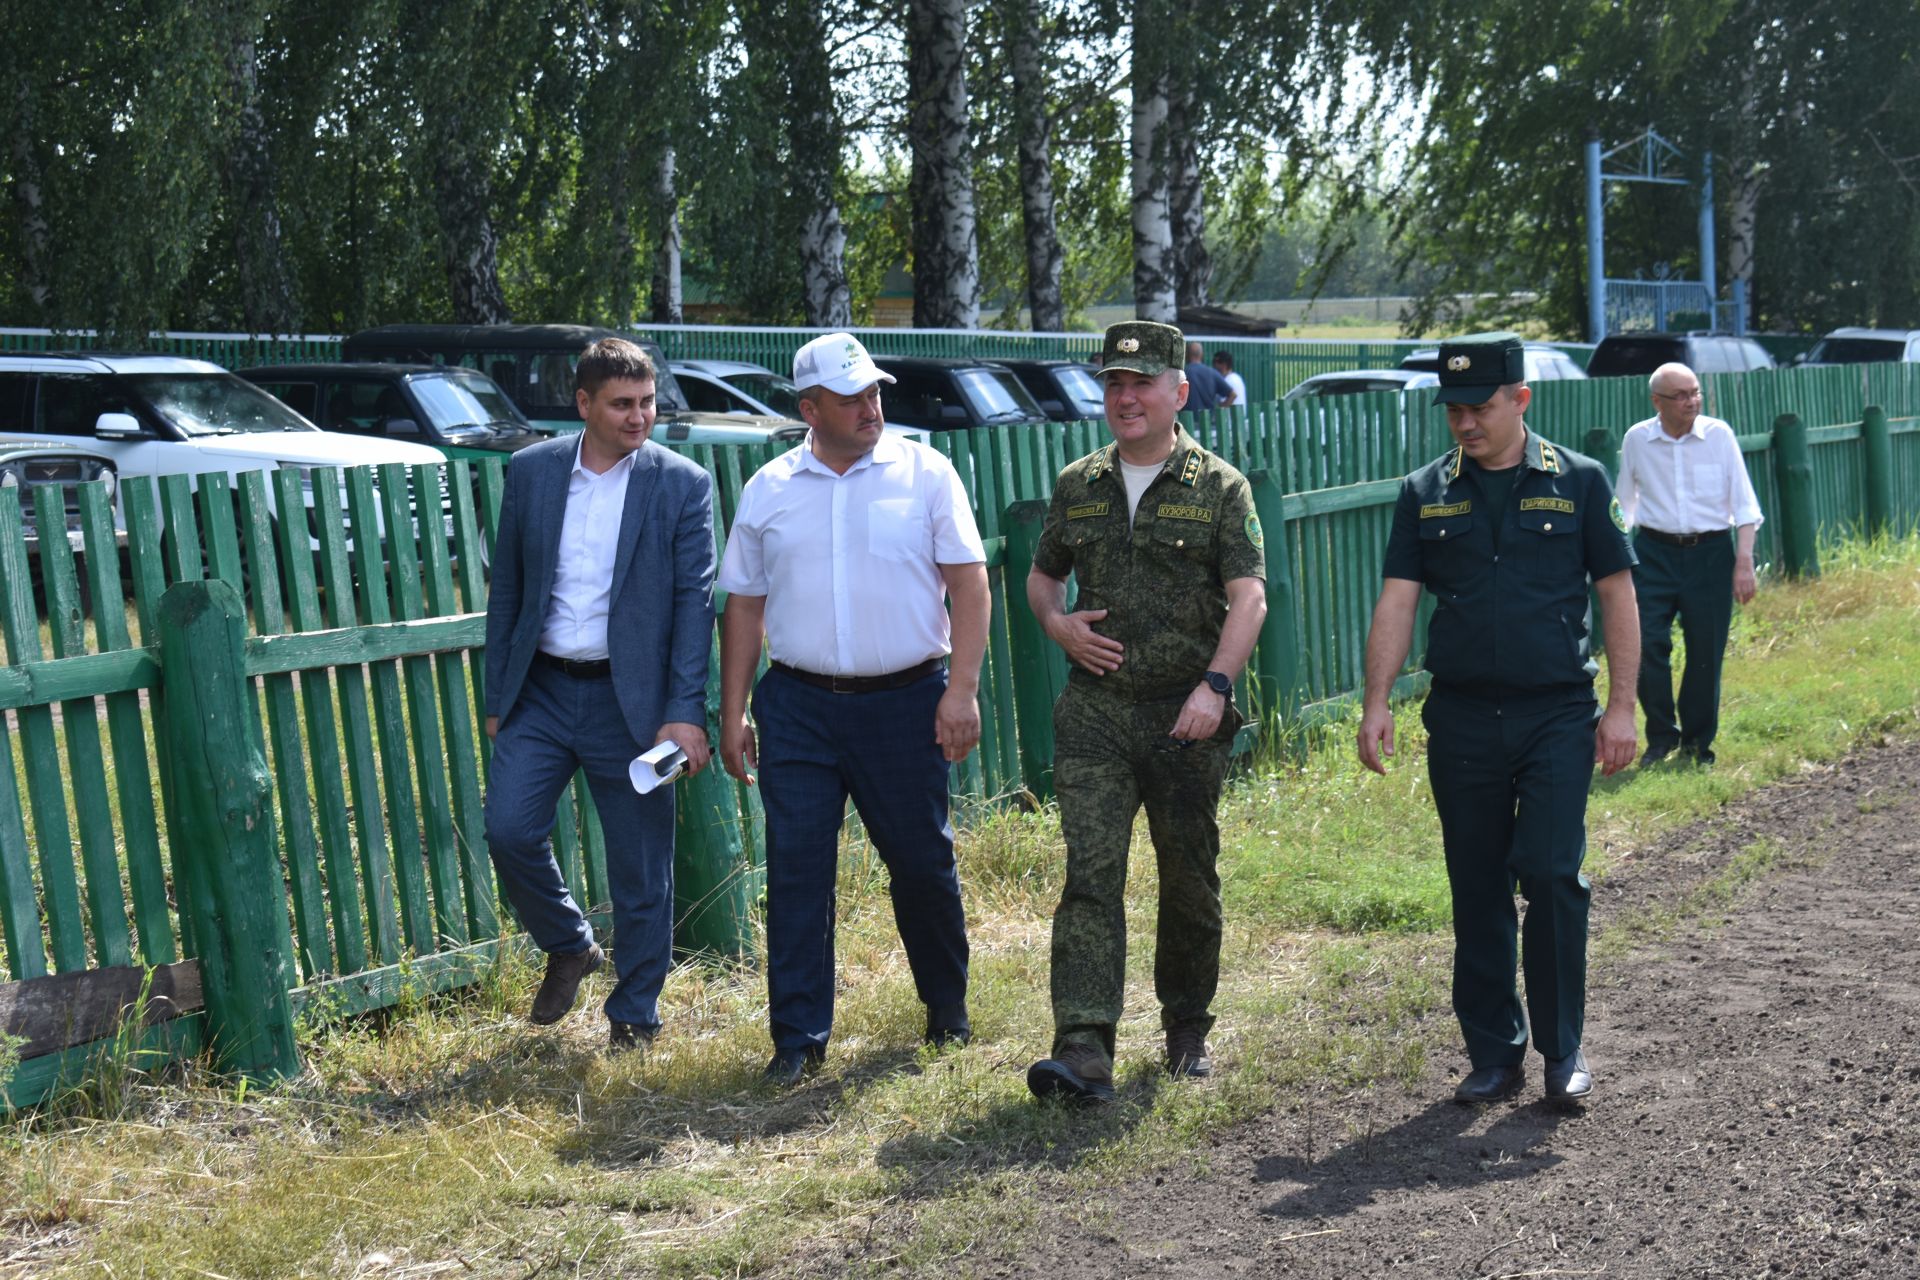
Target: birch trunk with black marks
470	247
266	301
666	250
1153	285
946	257
29	201
1186	190
1046	308
813	140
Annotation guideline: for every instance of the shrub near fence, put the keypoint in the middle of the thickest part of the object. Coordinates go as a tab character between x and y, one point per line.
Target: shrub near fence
360	700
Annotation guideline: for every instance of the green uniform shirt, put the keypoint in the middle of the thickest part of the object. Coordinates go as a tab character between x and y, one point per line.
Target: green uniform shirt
1510	619
1162	582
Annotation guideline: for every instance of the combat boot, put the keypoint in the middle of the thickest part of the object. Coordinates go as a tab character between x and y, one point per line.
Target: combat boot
1078	1073
1187	1054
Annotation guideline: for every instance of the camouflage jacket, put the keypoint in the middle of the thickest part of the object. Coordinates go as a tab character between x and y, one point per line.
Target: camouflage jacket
1162	582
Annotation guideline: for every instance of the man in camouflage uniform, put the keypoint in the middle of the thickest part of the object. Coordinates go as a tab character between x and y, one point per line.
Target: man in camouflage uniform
1162	538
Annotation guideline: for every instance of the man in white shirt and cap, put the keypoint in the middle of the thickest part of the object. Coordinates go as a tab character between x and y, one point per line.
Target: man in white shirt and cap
1684	489
841	555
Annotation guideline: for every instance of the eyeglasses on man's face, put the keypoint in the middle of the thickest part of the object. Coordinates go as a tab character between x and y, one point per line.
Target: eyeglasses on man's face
1680	397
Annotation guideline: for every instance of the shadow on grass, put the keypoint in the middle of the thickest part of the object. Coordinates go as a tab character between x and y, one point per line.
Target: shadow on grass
1430	1149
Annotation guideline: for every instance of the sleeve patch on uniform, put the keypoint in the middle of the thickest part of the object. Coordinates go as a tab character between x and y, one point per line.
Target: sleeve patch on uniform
1258	539
1173	511
1435	512
1619	517
1086	510
1564	505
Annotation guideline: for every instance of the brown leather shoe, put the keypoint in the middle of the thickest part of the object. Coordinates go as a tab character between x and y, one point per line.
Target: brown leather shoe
1187	1054
1078	1073
554	1000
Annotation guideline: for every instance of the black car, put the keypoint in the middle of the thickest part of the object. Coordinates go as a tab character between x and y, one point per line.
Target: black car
1641	353
533	364
1066	390
943	394
457	411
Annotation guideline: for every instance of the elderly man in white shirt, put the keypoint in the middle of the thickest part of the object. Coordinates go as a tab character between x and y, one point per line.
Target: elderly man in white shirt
840	555
1684	489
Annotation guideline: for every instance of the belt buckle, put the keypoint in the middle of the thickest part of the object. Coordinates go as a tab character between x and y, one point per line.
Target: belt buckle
835	682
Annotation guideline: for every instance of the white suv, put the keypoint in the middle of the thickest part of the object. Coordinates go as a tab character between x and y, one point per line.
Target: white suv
162	415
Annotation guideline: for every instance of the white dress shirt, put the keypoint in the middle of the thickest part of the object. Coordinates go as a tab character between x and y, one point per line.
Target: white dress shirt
849	564
576	624
1239	385
1695	484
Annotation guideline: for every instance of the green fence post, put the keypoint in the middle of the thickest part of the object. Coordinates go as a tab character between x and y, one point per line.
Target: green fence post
716	868
1793	464
1039	666
223	792
1878	468
1276	661
1602	446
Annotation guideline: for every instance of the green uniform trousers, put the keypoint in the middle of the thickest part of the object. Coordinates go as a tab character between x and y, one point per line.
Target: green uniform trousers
1110	758
1510	782
1696	583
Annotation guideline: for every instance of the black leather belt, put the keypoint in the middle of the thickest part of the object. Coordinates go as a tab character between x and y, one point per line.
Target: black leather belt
861	684
1681	539
579	669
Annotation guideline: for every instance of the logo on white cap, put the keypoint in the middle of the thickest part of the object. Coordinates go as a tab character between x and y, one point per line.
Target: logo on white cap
837	362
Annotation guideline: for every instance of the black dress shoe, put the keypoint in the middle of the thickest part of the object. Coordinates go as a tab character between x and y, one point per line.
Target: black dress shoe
554	1000
624	1037
789	1066
948	1026
1490	1084
1569	1077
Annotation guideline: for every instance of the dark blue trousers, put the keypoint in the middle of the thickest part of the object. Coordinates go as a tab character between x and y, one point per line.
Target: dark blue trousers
1510	782
561	725
1694	584
817	748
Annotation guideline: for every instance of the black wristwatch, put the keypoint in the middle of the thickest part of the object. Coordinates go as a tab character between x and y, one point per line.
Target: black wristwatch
1220	684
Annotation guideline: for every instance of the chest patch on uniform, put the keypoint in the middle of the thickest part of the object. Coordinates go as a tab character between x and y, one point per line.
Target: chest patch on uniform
1434	512
1086	510
1564	505
1173	511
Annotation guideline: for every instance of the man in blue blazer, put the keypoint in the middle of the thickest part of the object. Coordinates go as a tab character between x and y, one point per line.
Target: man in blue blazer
599	631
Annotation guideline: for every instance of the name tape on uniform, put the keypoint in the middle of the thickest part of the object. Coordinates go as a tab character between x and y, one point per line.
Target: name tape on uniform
1173	511
1086	510
1436	512
1563	505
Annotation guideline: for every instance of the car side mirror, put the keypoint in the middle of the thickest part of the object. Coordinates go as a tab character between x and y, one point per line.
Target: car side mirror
118	426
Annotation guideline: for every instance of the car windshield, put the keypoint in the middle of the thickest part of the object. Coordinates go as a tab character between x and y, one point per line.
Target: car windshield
770	389
997	395
1351	386
1084	388
541	382
214	404
453	401
1856	350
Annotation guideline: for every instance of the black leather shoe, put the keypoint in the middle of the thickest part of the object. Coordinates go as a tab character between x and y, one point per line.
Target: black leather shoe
624	1037
1490	1084
789	1066
561	985
1650	757
947	1026
1569	1077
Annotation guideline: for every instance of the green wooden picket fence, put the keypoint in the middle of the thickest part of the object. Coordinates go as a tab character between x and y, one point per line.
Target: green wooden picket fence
334	683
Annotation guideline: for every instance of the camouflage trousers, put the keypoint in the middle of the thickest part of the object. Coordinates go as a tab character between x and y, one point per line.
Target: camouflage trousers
1111	757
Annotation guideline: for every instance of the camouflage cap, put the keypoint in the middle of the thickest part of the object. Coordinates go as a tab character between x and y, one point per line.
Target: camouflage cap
1143	346
1476	365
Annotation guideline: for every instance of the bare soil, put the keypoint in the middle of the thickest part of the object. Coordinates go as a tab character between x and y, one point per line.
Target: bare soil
1756	1112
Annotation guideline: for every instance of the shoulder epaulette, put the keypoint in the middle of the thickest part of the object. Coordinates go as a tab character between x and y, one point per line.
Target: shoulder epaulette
1190	469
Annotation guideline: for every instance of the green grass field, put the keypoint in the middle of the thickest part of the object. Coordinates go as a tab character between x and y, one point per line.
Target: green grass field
449	1137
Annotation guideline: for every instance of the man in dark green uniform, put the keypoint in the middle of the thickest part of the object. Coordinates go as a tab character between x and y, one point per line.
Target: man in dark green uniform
1507	530
1162	538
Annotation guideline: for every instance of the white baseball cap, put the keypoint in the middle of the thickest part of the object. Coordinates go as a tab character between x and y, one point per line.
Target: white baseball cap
837	362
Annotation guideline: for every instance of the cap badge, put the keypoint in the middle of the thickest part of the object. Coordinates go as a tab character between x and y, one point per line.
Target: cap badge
1457	363
1128	345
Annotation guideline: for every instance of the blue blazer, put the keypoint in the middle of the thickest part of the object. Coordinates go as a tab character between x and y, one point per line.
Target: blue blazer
660	616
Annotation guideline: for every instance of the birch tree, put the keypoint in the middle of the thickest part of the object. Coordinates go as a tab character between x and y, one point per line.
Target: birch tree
946	265
1027	54
1153	264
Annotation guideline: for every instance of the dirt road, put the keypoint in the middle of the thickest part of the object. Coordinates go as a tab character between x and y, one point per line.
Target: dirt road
1757	1111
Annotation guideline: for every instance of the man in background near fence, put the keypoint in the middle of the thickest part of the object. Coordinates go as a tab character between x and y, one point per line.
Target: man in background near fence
1684	490
1162	538
840	553
1507	530
1205	388
599	635
1223	365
